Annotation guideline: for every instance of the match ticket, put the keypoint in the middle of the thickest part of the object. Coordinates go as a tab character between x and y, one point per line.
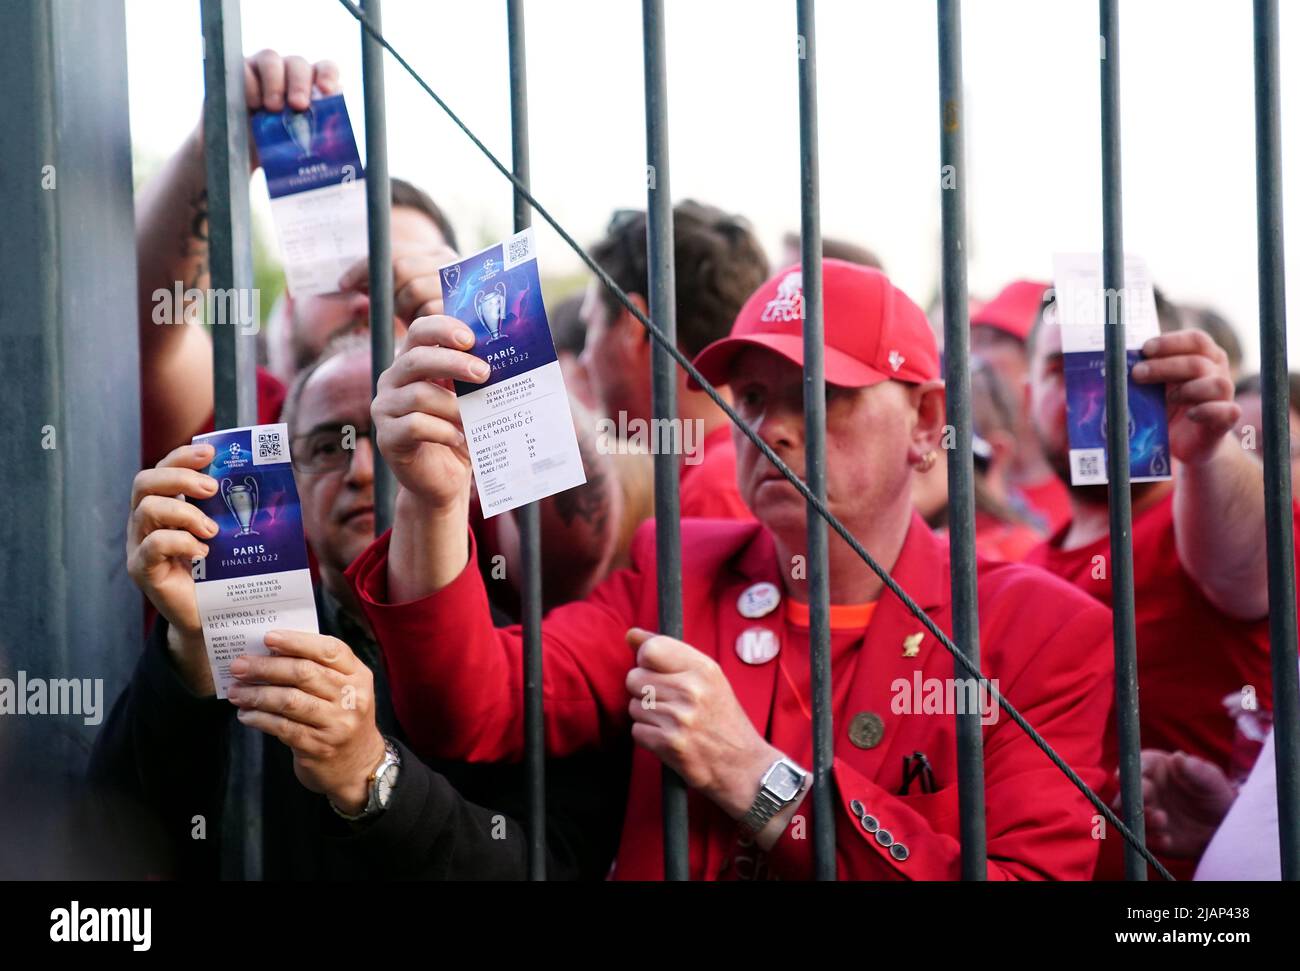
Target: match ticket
255	577
318	194
518	424
1082	306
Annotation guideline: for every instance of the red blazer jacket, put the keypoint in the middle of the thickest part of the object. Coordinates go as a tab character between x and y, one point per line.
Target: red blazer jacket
457	687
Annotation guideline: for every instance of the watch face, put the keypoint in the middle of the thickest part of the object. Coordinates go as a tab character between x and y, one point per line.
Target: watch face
384	784
785	781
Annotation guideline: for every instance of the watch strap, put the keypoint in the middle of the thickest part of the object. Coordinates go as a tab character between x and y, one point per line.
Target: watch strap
373	807
768	803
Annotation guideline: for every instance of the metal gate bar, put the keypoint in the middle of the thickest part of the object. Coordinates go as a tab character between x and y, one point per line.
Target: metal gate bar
378	210
530	541
663	308
1117	446
1276	439
234	357
961	486
814	405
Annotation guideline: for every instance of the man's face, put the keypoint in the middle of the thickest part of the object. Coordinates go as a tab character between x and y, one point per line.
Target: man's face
1004	352
1047	395
315	321
868	434
1250	431
338	504
618	379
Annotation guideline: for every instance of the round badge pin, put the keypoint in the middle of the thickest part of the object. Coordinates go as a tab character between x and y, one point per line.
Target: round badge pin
866	729
758	600
757	645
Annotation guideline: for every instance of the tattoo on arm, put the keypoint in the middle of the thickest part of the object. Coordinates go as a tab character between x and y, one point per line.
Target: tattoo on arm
588	502
194	246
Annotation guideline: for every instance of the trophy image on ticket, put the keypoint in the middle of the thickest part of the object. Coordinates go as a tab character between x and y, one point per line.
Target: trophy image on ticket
253	580
301	127
490	305
241	500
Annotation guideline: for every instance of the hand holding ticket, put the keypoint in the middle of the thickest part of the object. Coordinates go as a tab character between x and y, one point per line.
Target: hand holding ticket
318	196
517	422
1082	310
255	576
508	417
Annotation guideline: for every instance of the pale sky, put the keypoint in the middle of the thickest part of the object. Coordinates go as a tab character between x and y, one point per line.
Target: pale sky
1033	123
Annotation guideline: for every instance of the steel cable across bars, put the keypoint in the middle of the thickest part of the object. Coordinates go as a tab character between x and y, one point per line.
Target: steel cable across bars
772	457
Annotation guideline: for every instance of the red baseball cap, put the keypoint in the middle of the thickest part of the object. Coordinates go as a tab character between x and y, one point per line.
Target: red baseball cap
1014	310
874	332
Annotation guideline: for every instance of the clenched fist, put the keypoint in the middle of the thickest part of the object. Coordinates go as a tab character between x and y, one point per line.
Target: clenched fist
684	711
1198	391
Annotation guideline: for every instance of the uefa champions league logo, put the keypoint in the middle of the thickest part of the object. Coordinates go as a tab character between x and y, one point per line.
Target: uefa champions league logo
490	305
451	278
241	499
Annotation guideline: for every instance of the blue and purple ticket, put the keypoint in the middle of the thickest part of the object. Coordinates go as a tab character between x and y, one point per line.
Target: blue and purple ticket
1082	305
255	577
317	188
518	423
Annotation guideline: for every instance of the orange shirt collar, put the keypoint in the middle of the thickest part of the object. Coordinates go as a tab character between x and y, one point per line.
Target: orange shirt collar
843	616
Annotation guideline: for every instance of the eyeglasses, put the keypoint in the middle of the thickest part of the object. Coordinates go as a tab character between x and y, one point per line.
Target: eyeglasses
327	449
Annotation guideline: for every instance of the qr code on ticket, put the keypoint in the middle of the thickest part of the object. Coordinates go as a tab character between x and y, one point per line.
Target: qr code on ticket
519	249
269	446
1087	466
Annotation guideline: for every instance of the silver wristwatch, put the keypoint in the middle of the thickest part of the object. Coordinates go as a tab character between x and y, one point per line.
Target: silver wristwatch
780	786
382	782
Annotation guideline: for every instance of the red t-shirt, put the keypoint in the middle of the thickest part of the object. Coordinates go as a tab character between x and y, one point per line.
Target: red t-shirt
1003	542
708	489
790	722
1050	499
789	726
1190	654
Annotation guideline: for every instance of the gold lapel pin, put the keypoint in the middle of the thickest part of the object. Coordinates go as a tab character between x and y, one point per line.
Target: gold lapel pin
912	644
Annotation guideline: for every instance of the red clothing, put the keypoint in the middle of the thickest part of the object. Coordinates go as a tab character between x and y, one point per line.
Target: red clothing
708	489
457	680
790	725
1002	541
271	393
1190	654
1050	499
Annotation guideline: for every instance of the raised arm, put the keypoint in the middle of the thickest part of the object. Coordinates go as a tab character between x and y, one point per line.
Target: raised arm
457	681
1219	498
172	254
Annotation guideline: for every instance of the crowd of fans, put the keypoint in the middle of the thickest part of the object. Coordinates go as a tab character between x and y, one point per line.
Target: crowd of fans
418	625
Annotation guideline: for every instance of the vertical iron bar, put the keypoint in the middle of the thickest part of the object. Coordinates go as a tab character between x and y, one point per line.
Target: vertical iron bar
814	403
528	518
1276	436
225	142
663	311
378	209
1117	446
961	487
